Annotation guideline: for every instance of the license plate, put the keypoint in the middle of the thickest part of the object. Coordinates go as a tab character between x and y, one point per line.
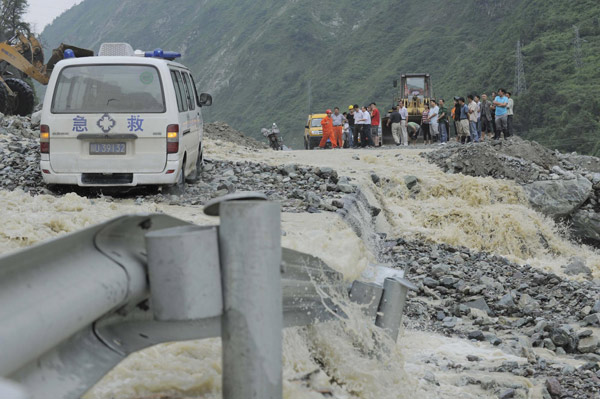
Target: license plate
107	148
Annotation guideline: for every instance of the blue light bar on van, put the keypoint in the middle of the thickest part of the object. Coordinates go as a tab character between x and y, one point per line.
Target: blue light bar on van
159	53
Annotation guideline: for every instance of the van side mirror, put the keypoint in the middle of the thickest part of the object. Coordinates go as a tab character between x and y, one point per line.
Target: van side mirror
396	83
306	126
205	100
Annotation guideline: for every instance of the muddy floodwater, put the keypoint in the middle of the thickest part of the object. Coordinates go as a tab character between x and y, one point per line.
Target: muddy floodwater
339	359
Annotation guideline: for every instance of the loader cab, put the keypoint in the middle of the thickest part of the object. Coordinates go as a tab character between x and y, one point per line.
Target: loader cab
123	118
415	92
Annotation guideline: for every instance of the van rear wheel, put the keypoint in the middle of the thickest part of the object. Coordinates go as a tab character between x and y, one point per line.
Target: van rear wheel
195	176
179	187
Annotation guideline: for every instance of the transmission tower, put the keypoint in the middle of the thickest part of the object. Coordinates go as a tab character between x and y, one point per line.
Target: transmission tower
577	48
520	83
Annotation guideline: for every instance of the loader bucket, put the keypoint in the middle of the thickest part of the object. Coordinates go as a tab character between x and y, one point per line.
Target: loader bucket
58	54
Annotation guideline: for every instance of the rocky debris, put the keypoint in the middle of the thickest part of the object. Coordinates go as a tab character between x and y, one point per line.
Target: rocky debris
299	188
19	155
486	298
562	186
222	131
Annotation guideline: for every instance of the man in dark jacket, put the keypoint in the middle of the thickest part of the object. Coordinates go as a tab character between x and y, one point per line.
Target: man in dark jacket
486	117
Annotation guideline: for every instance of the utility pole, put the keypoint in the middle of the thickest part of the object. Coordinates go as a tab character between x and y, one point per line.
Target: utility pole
309	96
520	83
577	48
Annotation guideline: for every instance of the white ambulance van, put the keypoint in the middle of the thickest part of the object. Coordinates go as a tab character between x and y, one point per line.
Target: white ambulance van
122	118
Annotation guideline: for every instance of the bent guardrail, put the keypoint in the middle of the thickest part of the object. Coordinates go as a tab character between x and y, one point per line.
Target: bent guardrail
74	307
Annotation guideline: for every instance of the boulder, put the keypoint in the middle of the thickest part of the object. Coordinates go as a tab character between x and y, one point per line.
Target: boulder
558	198
588	344
586	224
577	266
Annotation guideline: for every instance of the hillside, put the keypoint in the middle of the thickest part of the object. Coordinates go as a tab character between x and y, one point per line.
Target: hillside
257	58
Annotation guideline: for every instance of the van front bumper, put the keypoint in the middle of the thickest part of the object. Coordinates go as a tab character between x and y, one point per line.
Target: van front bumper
124	179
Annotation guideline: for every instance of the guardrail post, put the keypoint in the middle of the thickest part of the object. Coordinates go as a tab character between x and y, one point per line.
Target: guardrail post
252	322
184	273
391	307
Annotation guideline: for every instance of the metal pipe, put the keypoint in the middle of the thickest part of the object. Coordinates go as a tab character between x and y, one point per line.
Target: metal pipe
252	322
11	390
391	307
184	273
53	290
368	295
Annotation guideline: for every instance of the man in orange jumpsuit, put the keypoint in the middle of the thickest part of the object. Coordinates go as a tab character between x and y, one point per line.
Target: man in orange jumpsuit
327	125
338	126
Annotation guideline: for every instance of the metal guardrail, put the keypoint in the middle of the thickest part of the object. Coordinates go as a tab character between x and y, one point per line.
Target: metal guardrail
72	308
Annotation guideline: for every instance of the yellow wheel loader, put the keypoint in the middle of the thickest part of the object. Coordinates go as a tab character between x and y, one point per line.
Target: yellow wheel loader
22	56
414	92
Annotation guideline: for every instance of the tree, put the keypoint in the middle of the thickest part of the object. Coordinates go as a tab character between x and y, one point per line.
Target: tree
11	18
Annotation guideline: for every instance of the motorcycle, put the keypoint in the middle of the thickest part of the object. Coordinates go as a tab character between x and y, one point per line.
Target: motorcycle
274	137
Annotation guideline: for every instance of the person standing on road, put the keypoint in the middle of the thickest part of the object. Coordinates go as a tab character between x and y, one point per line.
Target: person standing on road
327	125
463	124
350	119
509	114
456	117
338	126
443	121
366	138
473	119
395	120
478	102
375	122
493	110
486	117
501	103
425	125
403	123
358	125
434	113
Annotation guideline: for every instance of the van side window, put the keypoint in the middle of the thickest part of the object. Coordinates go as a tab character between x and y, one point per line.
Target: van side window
178	84
190	95
195	91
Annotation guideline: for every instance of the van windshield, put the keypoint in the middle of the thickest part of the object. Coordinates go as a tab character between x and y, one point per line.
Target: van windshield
316	122
108	88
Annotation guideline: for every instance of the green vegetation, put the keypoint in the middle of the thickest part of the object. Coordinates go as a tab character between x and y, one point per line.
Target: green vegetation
11	18
258	57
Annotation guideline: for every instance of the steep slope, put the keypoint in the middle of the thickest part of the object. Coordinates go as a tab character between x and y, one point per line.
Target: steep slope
259	59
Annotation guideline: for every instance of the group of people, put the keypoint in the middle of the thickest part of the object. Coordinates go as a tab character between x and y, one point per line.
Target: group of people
358	126
474	119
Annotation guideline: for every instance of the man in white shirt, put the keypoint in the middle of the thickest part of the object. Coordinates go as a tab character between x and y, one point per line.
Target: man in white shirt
509	112
358	125
403	122
434	111
366	139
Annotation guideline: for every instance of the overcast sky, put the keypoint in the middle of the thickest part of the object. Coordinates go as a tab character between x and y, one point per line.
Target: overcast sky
42	12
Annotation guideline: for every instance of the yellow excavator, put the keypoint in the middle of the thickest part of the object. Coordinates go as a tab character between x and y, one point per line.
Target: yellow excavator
414	92
22	56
